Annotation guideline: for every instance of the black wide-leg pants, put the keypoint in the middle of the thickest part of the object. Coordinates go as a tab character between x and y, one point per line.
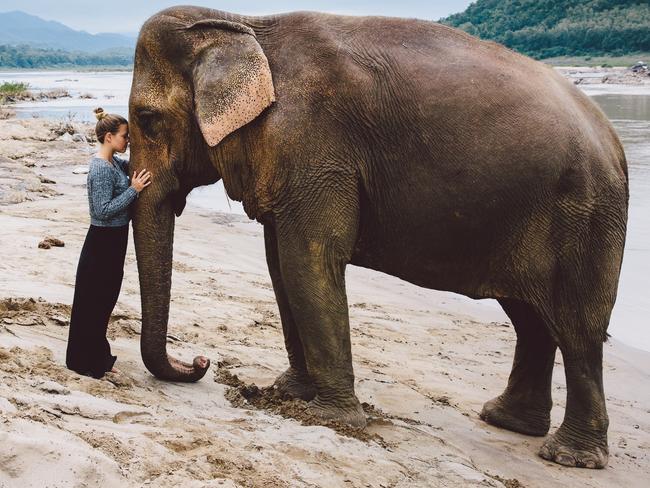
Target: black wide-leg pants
97	286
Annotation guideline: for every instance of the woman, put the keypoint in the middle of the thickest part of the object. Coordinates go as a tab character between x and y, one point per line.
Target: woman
101	264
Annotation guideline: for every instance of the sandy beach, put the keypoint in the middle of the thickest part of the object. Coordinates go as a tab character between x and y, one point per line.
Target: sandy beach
425	362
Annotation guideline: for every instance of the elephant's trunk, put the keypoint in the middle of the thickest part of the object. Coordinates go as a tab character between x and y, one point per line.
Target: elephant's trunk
153	226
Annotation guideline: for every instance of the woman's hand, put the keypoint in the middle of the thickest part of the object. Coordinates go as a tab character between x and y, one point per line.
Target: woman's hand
140	181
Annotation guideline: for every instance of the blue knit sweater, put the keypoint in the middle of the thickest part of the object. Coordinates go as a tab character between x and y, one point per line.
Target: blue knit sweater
109	192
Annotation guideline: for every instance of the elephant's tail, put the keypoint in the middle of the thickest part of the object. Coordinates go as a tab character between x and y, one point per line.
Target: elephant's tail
621	159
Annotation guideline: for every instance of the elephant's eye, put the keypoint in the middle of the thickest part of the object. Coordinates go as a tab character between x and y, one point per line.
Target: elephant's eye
150	122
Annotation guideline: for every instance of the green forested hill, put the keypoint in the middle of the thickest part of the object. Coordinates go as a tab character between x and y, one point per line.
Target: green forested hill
546	28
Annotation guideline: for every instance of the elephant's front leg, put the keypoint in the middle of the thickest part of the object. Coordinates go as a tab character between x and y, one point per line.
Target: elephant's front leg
295	381
314	246
315	285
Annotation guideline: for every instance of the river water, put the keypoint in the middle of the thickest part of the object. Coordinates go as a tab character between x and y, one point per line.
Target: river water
627	107
630	115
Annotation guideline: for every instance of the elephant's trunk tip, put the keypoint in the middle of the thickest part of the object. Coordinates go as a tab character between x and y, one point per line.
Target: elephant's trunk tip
190	373
176	370
201	364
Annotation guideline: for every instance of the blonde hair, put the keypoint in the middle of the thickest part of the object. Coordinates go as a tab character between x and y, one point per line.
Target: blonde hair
107	123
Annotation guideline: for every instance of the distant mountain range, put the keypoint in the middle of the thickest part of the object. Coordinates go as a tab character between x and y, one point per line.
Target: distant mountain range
19	28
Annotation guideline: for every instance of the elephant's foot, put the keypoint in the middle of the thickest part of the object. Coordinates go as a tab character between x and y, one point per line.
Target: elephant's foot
295	384
574	451
518	417
349	412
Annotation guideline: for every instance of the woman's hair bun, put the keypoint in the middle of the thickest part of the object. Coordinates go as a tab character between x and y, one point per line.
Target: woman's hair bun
107	123
99	113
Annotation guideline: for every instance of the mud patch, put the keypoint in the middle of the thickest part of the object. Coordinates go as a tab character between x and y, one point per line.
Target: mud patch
244	395
28	312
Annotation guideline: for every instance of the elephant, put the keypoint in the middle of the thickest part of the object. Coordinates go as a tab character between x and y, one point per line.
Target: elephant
402	146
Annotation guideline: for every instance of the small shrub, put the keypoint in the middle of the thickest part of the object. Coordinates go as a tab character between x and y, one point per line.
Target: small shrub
13	88
11	91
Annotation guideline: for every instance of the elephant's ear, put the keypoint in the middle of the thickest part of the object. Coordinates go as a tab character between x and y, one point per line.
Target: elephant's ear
232	80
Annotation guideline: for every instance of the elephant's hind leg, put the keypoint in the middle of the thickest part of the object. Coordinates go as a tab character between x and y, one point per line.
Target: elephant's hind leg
526	403
583	297
295	381
581	440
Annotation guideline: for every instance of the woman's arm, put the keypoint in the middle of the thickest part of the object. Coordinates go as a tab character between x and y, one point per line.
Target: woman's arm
100	190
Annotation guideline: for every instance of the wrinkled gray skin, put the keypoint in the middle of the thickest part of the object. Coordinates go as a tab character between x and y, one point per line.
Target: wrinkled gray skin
398	145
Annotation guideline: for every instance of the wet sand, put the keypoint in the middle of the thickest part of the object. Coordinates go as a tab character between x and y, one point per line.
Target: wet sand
425	362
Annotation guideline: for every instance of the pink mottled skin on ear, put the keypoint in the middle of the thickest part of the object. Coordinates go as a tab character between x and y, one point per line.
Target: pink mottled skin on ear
254	94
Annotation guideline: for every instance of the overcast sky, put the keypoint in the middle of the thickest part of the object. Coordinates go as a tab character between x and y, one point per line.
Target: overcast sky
128	16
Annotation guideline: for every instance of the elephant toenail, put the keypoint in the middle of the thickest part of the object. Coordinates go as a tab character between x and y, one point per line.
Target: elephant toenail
566	459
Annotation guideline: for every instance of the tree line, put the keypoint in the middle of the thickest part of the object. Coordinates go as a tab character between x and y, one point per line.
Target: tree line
31	57
548	28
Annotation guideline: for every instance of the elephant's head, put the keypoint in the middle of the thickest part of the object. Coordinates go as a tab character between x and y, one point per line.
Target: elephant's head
197	79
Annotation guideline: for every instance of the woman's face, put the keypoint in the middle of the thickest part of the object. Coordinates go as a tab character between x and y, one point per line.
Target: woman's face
119	141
